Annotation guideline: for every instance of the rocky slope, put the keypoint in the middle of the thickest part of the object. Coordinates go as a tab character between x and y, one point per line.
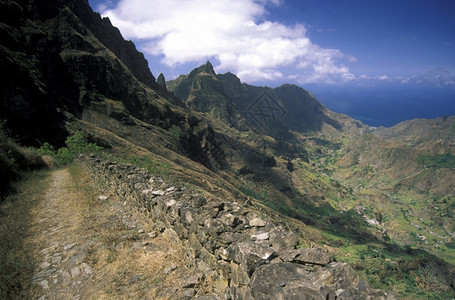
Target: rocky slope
65	64
236	252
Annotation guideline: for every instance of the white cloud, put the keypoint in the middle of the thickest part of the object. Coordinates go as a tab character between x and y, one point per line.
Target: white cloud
438	77
234	32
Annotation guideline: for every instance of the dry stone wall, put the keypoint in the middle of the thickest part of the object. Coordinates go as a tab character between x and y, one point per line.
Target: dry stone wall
235	251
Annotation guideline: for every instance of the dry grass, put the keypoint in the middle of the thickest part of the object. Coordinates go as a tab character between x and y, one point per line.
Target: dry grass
17	258
127	263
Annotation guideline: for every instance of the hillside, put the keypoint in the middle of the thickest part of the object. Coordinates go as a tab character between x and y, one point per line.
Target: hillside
333	181
334	168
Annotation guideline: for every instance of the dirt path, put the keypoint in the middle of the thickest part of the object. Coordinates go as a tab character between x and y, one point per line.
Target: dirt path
92	247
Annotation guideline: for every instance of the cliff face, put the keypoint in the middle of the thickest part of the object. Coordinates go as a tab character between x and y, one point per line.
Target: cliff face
80	17
52	60
62	62
35	81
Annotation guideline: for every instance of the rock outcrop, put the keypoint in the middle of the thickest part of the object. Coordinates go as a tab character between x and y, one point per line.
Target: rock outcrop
242	255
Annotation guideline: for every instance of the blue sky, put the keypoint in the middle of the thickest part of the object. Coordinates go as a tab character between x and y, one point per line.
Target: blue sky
351	54
398	37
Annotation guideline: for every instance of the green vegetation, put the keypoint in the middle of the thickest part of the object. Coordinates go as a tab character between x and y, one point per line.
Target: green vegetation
151	164
391	258
177	132
80	143
388	266
251	190
437	161
75	144
147	162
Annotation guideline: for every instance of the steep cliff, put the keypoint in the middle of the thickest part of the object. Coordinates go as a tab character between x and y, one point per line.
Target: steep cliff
64	64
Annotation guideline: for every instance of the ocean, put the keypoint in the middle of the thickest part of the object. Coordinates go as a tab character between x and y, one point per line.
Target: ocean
387	105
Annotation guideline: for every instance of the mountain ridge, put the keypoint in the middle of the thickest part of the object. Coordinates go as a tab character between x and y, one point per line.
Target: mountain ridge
297	108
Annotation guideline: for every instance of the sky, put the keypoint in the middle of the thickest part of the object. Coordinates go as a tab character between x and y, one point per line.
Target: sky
380	61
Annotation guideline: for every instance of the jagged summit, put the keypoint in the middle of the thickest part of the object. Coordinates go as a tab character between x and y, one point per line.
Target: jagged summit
208	67
295	108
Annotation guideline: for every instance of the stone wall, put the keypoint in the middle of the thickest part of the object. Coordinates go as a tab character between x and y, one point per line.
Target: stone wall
241	255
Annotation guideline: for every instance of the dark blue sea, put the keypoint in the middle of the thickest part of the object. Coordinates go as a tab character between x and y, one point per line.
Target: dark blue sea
387	105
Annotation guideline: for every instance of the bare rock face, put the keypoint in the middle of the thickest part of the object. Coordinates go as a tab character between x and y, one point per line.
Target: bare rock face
271	280
283	240
56	55
62	59
245	257
295	281
251	254
315	256
112	39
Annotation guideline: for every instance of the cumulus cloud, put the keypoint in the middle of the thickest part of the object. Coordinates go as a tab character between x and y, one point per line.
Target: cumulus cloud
235	33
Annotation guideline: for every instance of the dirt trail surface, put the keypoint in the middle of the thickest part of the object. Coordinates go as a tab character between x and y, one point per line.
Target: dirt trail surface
92	246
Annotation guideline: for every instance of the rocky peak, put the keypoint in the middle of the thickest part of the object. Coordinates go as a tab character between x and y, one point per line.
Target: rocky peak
206	68
203	91
290	106
161	81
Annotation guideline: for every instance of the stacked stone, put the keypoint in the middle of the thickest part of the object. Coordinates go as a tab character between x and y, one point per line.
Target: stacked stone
240	254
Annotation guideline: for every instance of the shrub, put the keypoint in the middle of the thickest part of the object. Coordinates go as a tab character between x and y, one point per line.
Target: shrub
78	143
46	149
437	161
75	144
64	156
